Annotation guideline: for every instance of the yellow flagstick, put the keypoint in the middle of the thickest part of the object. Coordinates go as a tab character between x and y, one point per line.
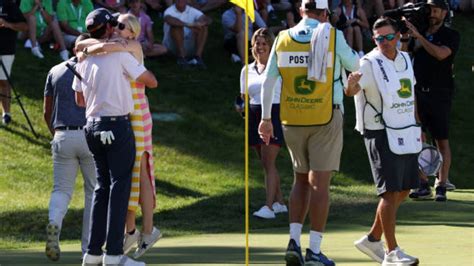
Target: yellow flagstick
247	6
246	32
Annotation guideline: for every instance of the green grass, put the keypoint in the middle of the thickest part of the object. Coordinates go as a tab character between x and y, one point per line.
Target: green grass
438	233
199	161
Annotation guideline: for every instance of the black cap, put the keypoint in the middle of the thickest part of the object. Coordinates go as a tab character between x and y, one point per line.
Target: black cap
438	3
99	18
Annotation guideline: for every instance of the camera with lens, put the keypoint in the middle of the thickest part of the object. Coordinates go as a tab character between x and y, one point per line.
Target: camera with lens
417	14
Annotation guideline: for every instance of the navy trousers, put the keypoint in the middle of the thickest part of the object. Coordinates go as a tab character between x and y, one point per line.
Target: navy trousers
114	164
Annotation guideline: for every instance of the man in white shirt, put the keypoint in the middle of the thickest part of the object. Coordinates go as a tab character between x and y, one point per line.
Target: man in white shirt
233	23
386	84
104	90
185	33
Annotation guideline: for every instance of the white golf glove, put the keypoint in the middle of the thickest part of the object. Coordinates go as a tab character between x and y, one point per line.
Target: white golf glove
107	137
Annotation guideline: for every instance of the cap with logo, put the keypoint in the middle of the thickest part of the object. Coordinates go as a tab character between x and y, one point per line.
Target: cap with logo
438	3
429	160
315	4
99	18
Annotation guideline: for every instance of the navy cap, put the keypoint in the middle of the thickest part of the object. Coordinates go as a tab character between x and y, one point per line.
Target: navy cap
99	18
438	3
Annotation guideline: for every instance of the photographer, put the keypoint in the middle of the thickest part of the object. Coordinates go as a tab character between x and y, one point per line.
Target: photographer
433	55
11	21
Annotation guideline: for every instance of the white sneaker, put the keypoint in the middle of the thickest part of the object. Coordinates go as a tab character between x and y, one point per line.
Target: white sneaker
372	249
28	43
91	260
279	208
397	257
449	186
192	62
52	250
64	54
265	213
146	242
36	52
120	260
130	241
235	58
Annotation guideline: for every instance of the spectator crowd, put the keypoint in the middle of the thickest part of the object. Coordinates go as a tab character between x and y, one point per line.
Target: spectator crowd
57	23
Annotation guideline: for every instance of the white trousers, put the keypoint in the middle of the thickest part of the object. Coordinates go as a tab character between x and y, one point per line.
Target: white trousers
70	151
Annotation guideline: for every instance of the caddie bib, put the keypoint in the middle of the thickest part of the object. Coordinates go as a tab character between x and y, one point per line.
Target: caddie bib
303	102
403	133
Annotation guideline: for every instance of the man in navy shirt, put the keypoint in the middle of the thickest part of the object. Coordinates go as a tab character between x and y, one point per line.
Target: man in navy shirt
66	120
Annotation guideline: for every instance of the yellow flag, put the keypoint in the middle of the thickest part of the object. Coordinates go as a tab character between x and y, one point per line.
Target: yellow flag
247	6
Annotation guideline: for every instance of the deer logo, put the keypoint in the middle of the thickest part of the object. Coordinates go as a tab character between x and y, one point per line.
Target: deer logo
405	88
304	86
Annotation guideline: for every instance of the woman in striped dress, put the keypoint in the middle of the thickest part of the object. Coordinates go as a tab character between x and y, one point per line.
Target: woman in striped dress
143	181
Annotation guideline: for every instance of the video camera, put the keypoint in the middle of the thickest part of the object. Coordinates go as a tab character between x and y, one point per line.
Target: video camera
2	3
417	14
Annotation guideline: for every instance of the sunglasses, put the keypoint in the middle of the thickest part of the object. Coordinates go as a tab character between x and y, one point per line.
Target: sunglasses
388	37
121	26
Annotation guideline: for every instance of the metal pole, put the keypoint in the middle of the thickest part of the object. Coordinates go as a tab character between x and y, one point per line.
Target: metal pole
17	97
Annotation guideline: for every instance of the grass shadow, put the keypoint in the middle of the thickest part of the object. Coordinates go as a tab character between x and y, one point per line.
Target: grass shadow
25	133
171	190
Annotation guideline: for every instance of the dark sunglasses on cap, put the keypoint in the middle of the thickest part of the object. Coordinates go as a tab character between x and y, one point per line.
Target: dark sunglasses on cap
388	37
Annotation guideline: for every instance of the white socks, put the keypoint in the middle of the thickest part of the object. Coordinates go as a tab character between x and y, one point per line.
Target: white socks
315	239
295	232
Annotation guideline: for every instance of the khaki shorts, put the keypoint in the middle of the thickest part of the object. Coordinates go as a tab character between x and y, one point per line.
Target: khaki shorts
316	148
7	62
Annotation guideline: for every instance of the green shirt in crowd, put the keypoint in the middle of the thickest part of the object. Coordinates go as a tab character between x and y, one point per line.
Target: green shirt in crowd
74	15
27	5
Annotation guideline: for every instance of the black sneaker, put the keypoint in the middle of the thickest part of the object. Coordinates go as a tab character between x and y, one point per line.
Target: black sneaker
183	63
440	193
423	192
293	256
6	119
199	63
317	259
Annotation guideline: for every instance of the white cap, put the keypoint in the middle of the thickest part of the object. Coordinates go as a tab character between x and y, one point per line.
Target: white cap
314	4
429	160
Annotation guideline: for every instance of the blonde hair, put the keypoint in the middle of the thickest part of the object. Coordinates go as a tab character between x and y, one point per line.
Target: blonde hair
133	23
266	34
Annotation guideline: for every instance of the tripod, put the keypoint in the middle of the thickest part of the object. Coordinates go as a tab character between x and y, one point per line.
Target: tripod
17	97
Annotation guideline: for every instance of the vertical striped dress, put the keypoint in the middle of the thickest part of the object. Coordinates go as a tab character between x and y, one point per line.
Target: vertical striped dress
142	126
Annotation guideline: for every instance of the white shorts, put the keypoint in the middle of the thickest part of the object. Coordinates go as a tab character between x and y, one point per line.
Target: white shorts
7	62
189	43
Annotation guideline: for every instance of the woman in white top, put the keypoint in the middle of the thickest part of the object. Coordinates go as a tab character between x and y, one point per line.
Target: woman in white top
262	41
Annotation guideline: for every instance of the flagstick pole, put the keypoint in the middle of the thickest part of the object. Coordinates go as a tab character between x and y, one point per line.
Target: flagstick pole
246	32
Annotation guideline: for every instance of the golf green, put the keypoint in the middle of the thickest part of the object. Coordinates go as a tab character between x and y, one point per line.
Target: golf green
437	233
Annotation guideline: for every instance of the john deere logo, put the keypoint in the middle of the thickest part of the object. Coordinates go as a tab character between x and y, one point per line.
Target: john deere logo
304	86
405	88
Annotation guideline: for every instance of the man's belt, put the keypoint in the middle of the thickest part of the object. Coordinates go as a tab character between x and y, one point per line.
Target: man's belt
108	118
69	128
